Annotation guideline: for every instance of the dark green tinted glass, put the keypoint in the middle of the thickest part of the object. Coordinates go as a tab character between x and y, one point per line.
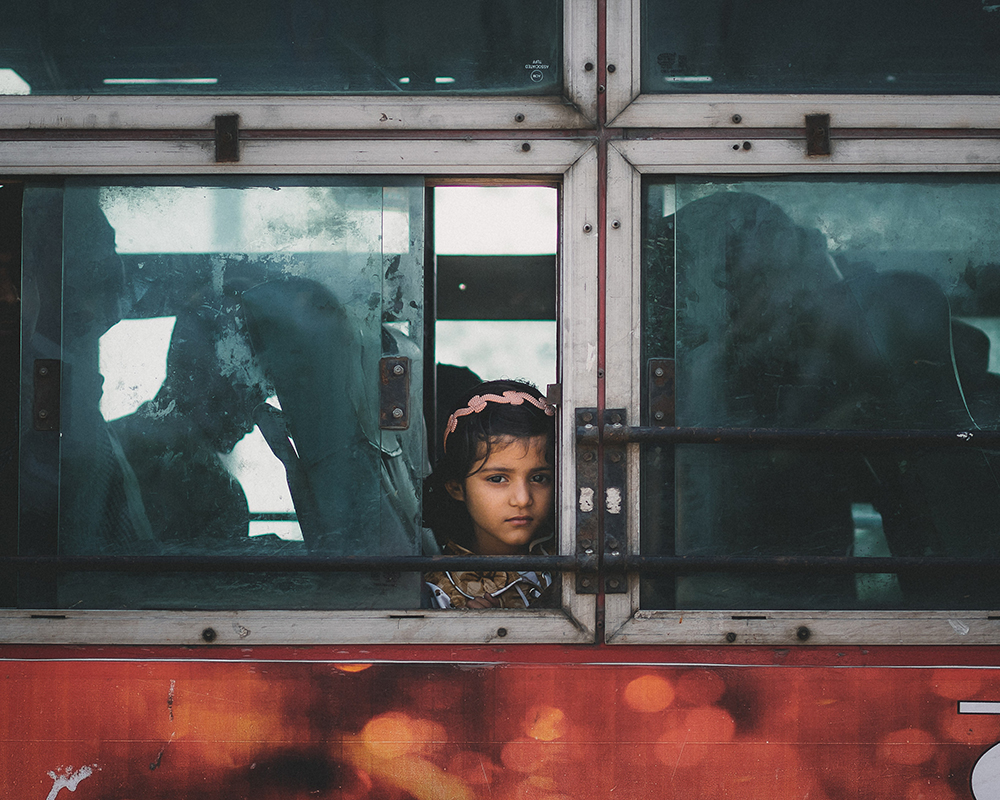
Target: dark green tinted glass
855	46
219	344
269	47
858	304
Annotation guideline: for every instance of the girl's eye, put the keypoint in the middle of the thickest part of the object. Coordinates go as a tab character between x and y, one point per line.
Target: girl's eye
496	479
541	478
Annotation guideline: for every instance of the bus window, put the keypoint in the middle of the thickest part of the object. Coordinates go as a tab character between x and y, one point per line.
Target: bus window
856	47
446	46
496	291
219	347
804	306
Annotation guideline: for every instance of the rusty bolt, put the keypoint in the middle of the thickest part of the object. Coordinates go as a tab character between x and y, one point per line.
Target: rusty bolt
730	637
209	635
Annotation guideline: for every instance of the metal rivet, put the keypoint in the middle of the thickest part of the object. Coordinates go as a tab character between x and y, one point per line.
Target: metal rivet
43	414
585	582
612	67
616	457
587	416
736	147
519	118
615	224
600	89
397	413
616	419
525	147
737	119
588	456
659	372
803	633
398	369
747	145
612	543
613	583
589	66
208	634
43	371
658	416
585	543
587	227
501	632
730	637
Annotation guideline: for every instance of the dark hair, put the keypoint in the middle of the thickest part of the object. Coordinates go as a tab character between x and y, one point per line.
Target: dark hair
464	447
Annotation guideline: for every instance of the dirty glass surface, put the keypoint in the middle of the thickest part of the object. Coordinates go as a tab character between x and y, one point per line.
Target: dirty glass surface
857	47
267	47
219	346
857	304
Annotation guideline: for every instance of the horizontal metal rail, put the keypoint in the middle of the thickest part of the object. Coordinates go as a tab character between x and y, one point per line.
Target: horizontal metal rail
679	565
644	564
217	563
790	438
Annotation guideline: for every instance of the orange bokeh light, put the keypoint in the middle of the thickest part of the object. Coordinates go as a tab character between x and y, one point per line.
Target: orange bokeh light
545	723
908	746
352	667
650	693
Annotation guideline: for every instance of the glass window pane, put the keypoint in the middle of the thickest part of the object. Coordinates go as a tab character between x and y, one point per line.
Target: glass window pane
220	347
888	47
824	304
267	47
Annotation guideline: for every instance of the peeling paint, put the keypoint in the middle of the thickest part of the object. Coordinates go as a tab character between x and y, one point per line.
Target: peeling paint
613	500
66	778
586	500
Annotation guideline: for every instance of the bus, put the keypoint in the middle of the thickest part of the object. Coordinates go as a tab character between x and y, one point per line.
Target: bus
250	255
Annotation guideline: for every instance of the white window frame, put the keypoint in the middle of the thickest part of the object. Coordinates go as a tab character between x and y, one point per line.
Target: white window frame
628	161
575	108
628	108
573	163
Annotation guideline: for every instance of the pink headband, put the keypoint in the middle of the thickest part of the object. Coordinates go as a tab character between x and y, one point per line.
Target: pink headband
478	403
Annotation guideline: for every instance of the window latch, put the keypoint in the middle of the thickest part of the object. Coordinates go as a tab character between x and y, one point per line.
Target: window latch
817	134
48	375
394	393
227	138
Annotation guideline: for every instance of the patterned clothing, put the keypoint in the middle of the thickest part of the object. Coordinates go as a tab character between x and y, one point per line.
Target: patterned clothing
453	589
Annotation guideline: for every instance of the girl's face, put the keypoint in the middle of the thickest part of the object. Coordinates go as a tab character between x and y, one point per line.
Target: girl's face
509	495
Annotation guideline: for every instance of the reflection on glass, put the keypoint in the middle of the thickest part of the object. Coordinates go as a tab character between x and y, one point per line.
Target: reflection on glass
814	305
220	345
268	47
854	46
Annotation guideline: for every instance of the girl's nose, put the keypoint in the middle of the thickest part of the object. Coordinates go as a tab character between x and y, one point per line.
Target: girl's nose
520	494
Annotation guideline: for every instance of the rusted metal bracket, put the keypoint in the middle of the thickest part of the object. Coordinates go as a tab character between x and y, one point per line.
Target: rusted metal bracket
48	380
615	509
587	515
227	138
661	391
817	134
394	393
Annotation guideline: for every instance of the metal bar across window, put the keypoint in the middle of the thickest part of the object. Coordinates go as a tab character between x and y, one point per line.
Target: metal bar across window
298	563
777	437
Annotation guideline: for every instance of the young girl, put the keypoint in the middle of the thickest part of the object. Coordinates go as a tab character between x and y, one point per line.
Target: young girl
492	493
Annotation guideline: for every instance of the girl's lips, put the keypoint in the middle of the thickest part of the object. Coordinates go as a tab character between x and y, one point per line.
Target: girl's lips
520	520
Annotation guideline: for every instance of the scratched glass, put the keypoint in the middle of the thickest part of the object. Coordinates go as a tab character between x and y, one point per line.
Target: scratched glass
220	347
393	47
860	304
854	46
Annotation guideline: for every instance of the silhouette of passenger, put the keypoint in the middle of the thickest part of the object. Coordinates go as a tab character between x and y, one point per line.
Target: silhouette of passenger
173	442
